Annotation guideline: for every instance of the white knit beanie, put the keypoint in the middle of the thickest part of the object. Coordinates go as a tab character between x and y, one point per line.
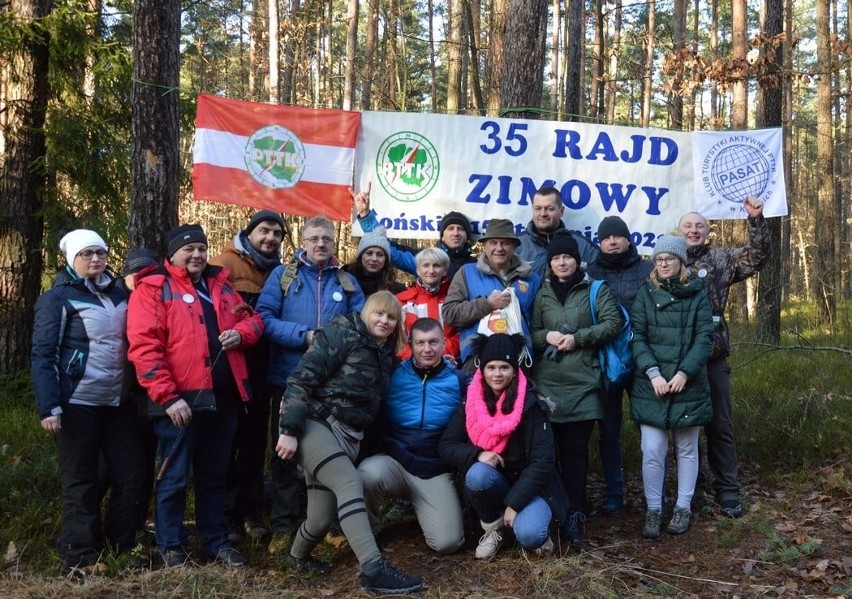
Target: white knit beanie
671	244
76	240
377	238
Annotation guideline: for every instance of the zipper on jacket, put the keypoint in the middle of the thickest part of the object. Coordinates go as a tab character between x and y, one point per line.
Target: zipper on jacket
319	298
423	401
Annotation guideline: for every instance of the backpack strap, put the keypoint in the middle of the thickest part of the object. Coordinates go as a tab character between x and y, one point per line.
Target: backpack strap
345	281
593	299
289	276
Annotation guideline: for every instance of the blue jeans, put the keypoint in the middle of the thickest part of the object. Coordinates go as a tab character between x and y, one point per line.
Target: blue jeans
486	487
610	441
206	446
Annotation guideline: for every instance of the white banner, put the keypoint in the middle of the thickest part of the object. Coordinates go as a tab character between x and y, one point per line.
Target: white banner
734	164
421	166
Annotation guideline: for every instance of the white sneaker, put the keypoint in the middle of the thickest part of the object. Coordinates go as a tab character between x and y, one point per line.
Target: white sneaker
546	549
489	544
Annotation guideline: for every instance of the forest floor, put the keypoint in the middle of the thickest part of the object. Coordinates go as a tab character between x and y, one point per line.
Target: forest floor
795	540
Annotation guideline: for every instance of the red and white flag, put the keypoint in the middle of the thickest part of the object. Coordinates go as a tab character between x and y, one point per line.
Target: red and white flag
285	158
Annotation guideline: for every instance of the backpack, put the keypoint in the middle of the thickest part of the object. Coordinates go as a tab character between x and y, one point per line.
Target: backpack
615	357
289	276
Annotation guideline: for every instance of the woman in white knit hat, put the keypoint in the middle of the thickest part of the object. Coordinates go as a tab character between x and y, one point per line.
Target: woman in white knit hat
78	364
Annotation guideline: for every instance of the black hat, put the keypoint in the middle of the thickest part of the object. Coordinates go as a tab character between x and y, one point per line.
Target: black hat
265	215
455	218
180	236
499	346
137	259
613	225
563	242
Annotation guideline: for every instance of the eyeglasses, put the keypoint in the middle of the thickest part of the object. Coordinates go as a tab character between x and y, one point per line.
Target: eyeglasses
315	240
89	254
661	260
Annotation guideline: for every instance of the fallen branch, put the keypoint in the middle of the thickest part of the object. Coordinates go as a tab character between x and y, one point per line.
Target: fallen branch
693	578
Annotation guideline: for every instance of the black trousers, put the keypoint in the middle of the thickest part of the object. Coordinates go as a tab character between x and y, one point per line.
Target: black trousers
572	456
87	433
289	495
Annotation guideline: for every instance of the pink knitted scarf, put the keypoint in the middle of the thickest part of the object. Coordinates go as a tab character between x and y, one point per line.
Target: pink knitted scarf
492	433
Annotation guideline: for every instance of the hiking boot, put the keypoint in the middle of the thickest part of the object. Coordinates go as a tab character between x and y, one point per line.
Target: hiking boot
280	543
652	524
613	504
382	577
732	508
545	549
572	530
679	523
310	564
174	558
228	556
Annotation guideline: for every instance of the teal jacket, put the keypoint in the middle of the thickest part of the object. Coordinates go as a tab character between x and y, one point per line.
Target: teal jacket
574	383
671	330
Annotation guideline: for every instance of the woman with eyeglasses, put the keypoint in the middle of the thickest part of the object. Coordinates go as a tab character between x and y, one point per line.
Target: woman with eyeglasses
672	323
78	356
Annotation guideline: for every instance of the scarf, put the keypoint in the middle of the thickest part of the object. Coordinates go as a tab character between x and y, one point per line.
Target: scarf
263	263
492	433
561	288
617	261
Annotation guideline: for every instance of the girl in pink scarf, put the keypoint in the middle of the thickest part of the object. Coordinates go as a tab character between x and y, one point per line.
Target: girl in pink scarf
501	439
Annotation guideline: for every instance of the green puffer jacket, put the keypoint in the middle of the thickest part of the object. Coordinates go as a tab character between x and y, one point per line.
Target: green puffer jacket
573	383
344	371
671	330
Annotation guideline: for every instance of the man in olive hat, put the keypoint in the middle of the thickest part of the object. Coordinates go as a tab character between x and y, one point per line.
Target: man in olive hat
480	288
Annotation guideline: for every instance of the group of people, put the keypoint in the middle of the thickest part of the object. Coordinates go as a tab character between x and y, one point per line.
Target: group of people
373	391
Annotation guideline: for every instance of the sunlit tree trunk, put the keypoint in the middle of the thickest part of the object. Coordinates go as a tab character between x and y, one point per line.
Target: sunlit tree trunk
474	31
714	52
825	284
769	284
523	71
155	166
614	52
454	54
494	62
369	54
22	183
556	30
679	36
792	197
351	43
647	83
689	109
272	12
739	47
596	83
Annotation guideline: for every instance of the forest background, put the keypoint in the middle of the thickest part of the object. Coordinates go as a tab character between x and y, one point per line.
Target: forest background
97	102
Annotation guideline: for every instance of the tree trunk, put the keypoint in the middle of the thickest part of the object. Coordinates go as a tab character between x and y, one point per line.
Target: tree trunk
574	58
714	51
393	74
274	86
647	84
826	229
556	9
771	277
494	62
679	35
523	71
351	43
739	47
433	71
22	184
369	54
258	55
288	54
155	165
474	31
454	53
612	75
596	85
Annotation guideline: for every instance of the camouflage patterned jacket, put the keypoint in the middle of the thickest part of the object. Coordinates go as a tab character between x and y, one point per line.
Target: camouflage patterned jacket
344	372
719	268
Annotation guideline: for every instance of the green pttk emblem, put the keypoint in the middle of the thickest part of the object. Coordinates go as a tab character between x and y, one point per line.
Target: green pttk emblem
407	166
275	157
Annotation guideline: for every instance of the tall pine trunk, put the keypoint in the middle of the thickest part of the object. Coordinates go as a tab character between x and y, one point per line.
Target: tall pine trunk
155	164
22	183
523	70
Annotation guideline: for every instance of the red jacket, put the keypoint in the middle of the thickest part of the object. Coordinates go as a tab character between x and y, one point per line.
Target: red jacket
168	338
419	302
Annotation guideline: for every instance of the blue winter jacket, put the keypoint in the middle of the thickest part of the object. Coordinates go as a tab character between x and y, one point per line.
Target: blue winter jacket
418	406
314	297
79	345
